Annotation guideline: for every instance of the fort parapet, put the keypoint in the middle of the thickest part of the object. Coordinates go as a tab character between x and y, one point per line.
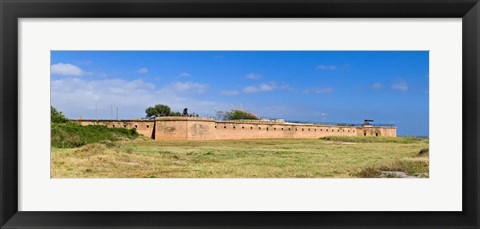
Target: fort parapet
193	128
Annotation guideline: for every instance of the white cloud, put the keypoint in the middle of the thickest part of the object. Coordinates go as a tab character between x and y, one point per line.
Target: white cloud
265	87
66	70
190	87
184	74
230	92
326	67
142	70
325	90
253	76
78	97
400	85
377	86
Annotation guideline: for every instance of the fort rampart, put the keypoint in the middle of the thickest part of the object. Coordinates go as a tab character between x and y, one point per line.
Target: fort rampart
192	128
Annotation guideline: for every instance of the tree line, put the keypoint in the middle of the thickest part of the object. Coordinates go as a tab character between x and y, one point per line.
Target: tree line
161	110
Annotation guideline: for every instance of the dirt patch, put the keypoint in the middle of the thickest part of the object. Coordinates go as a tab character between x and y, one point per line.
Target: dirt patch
423	153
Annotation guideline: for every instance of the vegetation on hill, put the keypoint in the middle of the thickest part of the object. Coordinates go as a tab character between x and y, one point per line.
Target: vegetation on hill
57	116
67	134
237	114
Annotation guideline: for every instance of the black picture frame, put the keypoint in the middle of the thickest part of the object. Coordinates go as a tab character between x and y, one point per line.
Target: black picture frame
12	10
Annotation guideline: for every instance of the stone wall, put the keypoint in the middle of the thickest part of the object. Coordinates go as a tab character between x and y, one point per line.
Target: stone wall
191	128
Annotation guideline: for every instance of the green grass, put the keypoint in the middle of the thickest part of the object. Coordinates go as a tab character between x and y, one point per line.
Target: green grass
255	158
374	139
69	135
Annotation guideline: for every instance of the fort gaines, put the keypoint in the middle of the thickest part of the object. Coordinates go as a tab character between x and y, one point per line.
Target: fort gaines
195	128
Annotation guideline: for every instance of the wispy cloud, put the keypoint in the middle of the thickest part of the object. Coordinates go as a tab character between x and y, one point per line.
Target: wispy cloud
230	92
265	87
184	74
253	76
142	70
377	86
324	90
78	97
400	84
190	86
325	67
66	70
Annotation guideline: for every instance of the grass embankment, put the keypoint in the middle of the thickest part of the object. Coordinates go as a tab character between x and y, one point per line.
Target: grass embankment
69	134
264	158
413	166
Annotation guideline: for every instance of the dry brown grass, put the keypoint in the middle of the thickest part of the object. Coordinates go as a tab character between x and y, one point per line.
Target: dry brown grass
265	158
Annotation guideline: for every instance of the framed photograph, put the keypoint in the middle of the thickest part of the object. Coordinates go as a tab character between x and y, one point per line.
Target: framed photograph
255	114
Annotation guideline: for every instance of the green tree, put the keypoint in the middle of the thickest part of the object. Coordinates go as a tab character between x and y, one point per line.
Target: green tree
57	116
237	114
158	110
176	113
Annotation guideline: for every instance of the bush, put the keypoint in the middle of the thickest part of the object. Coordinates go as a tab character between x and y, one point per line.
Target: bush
69	135
237	115
57	116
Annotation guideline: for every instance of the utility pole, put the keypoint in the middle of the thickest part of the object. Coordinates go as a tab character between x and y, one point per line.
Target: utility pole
111	111
96	111
117	112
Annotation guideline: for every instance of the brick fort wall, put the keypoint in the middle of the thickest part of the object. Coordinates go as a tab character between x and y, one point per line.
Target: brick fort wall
192	128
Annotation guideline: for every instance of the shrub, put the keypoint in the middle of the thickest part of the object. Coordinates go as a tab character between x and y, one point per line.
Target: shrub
57	116
69	135
237	115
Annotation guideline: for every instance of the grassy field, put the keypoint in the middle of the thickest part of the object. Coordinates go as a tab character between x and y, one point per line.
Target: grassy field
258	158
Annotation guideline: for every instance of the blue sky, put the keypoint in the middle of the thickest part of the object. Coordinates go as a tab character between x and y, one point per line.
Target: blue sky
326	86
